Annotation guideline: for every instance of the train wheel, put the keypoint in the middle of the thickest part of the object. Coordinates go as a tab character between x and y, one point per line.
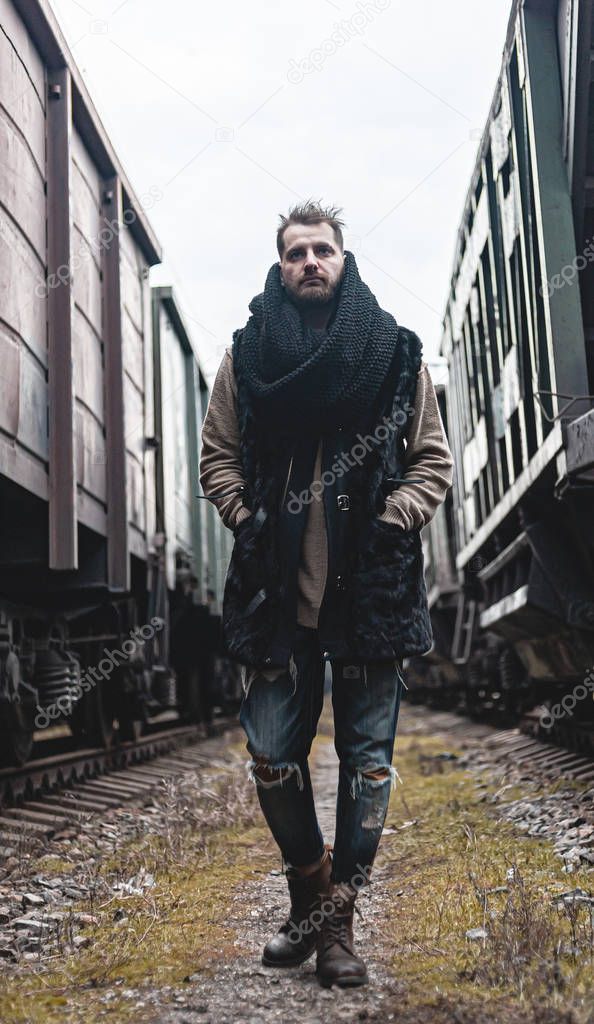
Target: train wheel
131	728
131	707
515	683
189	694
474	690
232	690
16	736
17	711
92	721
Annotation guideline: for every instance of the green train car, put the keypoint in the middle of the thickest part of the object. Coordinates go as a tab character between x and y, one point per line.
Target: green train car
510	555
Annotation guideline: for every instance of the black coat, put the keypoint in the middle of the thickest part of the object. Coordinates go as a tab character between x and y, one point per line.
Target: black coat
375	601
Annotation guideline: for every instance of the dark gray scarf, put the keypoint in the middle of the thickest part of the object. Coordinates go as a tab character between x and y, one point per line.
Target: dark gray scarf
305	380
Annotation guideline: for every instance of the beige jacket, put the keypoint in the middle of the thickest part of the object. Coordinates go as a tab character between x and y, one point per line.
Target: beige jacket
412	505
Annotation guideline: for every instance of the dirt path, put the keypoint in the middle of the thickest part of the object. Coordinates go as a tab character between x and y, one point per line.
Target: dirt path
245	992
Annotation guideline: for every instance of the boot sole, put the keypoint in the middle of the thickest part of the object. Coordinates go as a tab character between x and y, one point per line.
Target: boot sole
288	963
343	982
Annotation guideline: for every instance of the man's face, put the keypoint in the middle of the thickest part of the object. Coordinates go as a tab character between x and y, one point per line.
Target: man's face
312	264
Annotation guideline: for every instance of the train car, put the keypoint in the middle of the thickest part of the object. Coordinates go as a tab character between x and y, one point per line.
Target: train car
93	543
195	547
434	678
517	337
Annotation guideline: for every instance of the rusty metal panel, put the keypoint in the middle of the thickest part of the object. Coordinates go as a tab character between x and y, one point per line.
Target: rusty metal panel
134	442
10	385
32	434
133	267
135	337
174	416
579	445
63	535
23	332
178	417
202	507
133	342
88	375
150	430
22	81
118	561
566	38
86	238
440	575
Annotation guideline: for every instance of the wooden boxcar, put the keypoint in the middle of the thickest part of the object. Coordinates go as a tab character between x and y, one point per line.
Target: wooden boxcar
98	522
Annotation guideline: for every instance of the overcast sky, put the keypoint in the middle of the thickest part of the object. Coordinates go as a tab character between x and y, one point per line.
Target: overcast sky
226	114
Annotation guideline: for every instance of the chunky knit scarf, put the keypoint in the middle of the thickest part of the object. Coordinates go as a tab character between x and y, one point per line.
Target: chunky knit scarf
300	379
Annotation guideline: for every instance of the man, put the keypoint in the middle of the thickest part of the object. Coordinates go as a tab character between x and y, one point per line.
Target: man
324	450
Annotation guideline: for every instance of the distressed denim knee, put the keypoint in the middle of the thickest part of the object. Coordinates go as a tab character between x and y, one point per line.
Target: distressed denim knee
268	773
279	713
374	776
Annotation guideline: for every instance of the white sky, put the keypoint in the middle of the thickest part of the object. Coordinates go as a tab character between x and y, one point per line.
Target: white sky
212	107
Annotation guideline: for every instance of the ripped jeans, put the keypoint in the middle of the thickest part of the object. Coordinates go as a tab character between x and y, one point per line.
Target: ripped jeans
280	717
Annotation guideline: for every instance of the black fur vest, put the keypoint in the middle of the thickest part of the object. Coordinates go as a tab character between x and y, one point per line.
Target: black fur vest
375	602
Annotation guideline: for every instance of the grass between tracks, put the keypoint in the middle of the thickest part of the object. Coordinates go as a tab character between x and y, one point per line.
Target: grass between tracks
175	929
444	860
454	867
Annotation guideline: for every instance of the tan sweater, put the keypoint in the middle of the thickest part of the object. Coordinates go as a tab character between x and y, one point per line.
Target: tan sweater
411	505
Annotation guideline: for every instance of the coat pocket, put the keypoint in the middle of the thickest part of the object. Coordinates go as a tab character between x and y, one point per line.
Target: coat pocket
389	614
246	573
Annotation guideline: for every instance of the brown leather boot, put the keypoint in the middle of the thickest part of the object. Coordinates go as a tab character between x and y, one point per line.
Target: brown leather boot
295	940
337	963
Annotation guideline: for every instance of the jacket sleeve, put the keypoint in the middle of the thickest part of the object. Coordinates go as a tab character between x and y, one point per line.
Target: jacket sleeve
220	459
428	456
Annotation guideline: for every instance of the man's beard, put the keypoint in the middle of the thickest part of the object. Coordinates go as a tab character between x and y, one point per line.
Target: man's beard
311	297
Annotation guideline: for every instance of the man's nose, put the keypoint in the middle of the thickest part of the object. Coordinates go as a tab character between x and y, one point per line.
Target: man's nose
311	262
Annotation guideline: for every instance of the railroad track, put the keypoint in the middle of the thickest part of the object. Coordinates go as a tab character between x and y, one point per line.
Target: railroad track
53	793
552	761
548	759
46	796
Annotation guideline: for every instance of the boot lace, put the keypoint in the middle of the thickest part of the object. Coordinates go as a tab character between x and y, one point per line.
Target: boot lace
336	930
